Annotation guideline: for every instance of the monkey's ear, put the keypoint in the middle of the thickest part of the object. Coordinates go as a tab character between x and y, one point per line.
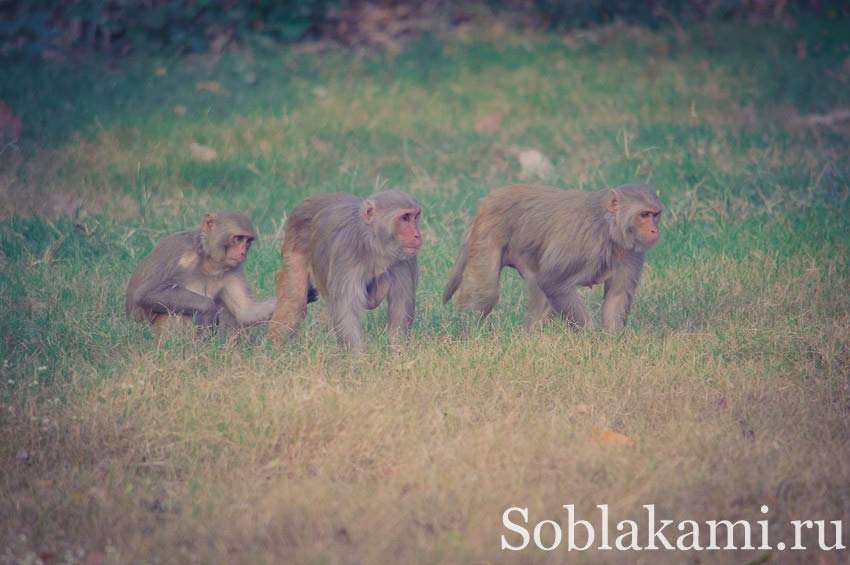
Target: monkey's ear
207	223
368	211
612	201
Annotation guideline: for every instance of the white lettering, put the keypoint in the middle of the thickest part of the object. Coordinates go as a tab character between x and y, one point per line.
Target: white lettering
798	532
632	533
653	535
822	535
506	521
693	534
571	530
730	534
555	527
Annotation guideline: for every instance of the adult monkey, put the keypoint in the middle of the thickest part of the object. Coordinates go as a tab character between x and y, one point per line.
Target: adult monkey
199	275
558	240
355	253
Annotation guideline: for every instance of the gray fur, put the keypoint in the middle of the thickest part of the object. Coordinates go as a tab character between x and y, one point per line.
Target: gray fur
354	264
558	240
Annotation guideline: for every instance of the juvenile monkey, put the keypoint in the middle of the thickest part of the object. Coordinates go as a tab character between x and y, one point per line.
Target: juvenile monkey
353	252
558	240
199	275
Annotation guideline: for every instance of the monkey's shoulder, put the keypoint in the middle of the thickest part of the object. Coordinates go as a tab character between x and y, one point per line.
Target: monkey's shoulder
535	194
176	240
312	205
176	248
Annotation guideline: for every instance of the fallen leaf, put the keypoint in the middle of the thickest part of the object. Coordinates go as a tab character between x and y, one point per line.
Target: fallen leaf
41	484
322	147
569	42
180	110
606	436
10	125
209	86
532	163
202	152
161	71
489	123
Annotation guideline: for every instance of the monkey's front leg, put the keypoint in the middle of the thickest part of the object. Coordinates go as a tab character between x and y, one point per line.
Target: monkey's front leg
567	303
345	318
539	308
619	291
180	300
401	297
346	304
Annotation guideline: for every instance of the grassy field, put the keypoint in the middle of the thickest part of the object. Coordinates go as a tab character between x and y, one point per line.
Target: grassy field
732	379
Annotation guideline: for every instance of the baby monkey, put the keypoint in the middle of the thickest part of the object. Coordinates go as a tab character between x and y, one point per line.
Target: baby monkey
198	275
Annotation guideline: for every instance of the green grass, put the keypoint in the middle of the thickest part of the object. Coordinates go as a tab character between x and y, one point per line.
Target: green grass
732	376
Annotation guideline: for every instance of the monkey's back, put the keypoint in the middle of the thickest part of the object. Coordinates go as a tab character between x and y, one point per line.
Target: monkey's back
149	270
521	216
313	226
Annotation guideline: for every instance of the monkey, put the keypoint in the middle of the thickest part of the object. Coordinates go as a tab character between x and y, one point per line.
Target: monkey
558	240
355	253
198	275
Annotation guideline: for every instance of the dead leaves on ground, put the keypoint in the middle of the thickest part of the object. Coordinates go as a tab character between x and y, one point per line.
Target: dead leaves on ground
210	86
10	125
490	123
533	165
203	153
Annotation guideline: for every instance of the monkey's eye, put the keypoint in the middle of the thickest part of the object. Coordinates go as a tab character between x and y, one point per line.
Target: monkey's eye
405	217
645	214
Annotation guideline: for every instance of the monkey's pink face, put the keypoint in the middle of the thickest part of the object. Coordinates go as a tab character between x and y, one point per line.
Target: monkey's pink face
237	249
646	224
407	230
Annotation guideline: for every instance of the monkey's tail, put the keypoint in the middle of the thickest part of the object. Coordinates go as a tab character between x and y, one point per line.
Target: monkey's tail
457	270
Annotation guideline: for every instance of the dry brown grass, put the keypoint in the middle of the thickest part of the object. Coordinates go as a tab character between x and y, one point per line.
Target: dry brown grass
413	458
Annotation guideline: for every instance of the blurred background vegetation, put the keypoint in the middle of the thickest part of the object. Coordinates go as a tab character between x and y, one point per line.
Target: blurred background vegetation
39	27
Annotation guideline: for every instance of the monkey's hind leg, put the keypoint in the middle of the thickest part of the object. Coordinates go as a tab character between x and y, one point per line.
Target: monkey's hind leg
569	305
479	288
165	325
293	293
539	307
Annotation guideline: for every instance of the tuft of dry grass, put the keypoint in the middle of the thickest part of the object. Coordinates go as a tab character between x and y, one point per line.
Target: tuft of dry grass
414	457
